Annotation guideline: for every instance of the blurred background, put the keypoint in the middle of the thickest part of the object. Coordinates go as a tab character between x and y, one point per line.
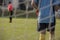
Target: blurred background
20	6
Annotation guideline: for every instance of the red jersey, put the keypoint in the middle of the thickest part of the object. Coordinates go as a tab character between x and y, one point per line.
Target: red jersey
10	7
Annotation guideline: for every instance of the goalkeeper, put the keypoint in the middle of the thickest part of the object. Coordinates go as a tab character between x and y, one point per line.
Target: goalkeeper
46	17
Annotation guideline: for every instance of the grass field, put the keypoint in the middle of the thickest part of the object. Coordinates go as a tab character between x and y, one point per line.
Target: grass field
22	29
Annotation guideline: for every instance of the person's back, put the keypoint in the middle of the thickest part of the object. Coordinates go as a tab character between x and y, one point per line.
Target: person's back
10	7
45	11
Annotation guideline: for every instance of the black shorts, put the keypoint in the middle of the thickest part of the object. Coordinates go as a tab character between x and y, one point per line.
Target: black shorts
44	26
48	26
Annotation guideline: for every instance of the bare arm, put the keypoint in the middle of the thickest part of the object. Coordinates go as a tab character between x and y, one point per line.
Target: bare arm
34	4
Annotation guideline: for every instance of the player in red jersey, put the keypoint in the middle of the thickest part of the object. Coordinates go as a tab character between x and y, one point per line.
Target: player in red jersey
10	9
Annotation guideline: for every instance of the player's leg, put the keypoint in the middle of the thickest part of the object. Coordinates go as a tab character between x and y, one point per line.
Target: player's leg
52	35
9	17
52	32
11	13
42	35
42	30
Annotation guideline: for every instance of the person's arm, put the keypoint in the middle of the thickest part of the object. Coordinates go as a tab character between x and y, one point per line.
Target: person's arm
33	3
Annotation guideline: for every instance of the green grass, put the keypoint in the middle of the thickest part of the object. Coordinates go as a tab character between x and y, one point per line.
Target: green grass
22	29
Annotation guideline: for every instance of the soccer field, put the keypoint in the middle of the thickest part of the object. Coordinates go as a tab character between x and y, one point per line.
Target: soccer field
22	29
